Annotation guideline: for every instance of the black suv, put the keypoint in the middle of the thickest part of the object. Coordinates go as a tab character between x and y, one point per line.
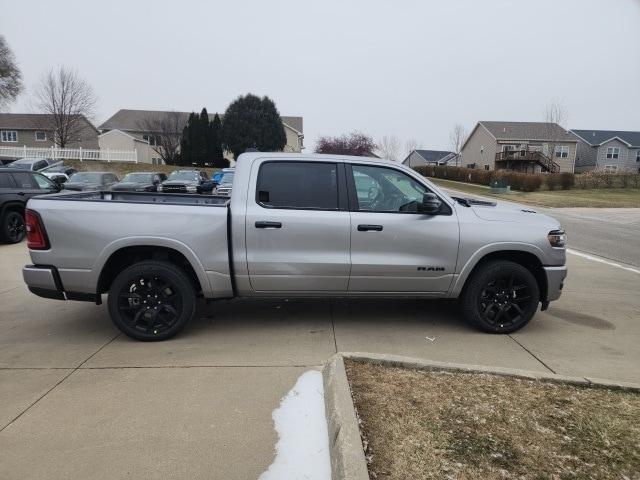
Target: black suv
186	181
16	187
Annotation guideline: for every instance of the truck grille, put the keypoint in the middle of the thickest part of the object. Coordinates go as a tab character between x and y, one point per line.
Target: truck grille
223	192
174	188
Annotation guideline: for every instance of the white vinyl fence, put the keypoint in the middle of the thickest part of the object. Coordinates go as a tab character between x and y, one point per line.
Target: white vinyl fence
82	154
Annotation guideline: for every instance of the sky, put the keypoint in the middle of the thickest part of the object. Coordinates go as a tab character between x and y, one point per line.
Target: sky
412	69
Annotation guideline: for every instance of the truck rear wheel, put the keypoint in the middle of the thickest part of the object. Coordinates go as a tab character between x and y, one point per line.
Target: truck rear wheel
12	227
152	300
500	297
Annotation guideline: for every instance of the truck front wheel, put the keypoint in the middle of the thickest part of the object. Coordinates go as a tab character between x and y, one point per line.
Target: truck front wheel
500	297
152	300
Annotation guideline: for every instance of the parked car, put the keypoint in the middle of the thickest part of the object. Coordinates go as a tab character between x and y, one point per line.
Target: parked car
218	175
225	185
58	173
16	187
186	181
295	226
140	182
91	181
34	164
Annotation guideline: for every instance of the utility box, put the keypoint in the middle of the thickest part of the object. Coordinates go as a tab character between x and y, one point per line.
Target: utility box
500	185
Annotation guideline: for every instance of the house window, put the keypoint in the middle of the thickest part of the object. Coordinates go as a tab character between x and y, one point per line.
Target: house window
486	166
508	148
152	139
41	136
638	156
9	136
613	152
562	151
611	168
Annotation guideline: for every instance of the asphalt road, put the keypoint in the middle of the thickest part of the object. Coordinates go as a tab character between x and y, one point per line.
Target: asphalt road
612	233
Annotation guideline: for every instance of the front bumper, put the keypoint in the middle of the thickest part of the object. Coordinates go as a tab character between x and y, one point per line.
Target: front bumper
555	282
44	281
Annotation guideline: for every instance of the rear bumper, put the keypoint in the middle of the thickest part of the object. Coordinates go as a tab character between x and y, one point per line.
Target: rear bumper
44	281
555	281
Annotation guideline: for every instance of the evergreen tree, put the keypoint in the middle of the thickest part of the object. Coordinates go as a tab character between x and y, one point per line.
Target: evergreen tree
252	122
215	153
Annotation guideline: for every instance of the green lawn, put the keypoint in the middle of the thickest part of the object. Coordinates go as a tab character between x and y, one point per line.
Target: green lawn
602	197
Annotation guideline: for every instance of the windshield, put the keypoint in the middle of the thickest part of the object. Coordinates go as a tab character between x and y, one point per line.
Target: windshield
191	176
227	178
86	177
138	177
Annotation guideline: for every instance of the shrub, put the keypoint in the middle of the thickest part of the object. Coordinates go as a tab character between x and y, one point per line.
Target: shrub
518	181
552	181
567	180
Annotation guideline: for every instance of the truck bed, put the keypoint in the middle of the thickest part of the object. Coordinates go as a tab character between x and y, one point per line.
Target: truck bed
141	197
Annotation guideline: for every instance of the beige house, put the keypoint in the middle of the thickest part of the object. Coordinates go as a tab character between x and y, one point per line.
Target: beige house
34	130
134	124
531	147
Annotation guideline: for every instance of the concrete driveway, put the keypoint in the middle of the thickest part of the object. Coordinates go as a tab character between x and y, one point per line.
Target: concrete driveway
78	400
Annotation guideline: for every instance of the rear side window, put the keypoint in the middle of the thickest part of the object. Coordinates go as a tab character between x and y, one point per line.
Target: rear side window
6	181
40	165
24	180
305	185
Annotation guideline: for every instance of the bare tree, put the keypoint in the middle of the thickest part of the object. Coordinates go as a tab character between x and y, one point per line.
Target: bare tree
10	76
69	103
457	138
410	145
165	134
555	112
389	147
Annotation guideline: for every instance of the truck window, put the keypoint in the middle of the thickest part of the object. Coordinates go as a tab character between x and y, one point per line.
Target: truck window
305	185
381	189
24	180
5	181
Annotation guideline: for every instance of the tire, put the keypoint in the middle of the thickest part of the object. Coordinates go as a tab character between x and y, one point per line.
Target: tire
12	228
500	297
152	300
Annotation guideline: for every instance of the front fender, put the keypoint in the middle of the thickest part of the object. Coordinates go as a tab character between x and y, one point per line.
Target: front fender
478	255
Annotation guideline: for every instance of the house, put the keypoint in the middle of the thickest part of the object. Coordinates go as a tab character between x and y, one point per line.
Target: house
137	125
34	130
609	150
521	146
430	157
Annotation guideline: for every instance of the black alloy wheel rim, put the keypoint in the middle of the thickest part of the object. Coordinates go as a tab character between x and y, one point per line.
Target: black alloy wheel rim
150	304
504	300
15	227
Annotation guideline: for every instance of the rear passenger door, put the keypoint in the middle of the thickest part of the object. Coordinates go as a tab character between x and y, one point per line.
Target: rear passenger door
27	185
298	227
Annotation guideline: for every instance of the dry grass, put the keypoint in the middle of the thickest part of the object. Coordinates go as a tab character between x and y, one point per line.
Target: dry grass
433	425
601	197
122	168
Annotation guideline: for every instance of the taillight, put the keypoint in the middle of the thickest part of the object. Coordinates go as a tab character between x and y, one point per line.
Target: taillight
36	235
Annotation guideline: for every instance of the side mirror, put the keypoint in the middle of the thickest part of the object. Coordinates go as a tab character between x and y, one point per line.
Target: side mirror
430	204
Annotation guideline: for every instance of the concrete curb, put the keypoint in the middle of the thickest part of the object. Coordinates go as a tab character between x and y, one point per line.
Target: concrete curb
348	461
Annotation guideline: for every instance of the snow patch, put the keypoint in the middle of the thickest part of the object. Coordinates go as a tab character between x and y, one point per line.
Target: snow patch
302	451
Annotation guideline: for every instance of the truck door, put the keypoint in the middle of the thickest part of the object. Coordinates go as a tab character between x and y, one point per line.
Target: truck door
394	248
298	227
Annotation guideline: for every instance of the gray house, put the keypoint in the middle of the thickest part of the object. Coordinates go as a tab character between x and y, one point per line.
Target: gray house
521	146
35	130
610	150
419	158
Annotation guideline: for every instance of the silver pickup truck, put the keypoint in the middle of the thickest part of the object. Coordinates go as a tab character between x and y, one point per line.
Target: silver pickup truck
296	225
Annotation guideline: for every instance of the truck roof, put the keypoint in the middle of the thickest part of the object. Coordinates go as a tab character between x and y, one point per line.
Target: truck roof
314	157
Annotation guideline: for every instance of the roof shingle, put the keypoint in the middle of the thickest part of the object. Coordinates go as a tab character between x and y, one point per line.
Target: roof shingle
528	131
598	137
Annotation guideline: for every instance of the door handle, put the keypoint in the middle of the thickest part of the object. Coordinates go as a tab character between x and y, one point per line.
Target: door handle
263	224
21	194
367	228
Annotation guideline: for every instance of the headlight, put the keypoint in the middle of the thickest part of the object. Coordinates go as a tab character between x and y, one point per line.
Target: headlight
192	188
557	238
159	188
